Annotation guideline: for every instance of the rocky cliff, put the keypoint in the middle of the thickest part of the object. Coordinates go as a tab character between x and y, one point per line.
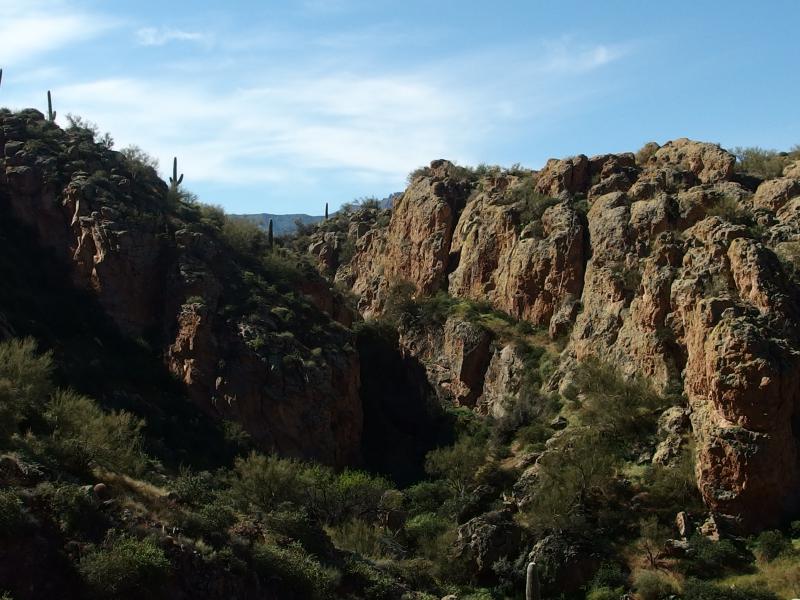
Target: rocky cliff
249	337
668	264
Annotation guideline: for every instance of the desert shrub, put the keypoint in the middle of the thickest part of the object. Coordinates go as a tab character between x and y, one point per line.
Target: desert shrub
209	521
192	488
124	567
605	593
11	516
424	529
367	539
609	575
243	236
578	467
295	571
652	585
702	590
645	153
76	511
613	415
457	464
372	583
653	537
298	525
25	383
357	494
83	434
761	162
138	161
266	481
771	544
673	488
708	559
418	172
427	496
623	408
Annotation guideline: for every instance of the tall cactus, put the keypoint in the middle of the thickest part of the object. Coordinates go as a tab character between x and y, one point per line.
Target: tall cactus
1	76
175	181
532	588
326	211
270	237
51	114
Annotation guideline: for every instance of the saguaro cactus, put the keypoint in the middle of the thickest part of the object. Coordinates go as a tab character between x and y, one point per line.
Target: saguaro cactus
326	204
270	237
532	588
175	181
51	114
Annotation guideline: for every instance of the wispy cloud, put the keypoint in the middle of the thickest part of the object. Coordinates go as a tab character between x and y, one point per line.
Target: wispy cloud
32	28
159	36
303	108
286	122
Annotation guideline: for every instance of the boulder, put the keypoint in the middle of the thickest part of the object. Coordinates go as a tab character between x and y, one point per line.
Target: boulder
484	540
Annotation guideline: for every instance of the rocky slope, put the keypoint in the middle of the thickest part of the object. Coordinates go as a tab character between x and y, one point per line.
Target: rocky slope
250	339
668	264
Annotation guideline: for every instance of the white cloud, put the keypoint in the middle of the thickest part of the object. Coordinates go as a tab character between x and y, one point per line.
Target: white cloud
32	28
159	36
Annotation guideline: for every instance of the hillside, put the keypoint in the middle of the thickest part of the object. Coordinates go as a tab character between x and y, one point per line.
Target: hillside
286	224
592	367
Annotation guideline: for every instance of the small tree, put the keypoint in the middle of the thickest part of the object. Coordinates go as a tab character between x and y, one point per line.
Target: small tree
653	537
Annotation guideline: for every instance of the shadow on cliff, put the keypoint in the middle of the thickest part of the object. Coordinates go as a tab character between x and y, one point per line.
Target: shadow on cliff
38	299
402	419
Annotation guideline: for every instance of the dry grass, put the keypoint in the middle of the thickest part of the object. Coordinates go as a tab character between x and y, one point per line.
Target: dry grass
781	576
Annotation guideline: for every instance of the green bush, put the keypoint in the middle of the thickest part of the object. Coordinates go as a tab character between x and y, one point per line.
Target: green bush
366	539
243	236
771	544
11	517
25	383
209	522
355	494
457	464
701	590
708	559
652	585
763	163
193	489
76	511
296	571
605	593
84	434
298	525
125	568
609	575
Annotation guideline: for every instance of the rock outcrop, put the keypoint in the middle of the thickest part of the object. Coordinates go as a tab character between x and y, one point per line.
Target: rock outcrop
158	271
664	267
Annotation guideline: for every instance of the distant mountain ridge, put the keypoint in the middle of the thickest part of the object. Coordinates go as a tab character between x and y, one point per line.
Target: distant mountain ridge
285	224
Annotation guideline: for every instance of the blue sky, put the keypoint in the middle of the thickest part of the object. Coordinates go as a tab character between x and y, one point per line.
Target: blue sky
283	106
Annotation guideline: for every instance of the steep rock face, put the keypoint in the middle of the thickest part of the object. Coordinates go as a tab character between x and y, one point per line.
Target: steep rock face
415	246
502	380
569	176
529	270
162	275
661	278
741	373
455	356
